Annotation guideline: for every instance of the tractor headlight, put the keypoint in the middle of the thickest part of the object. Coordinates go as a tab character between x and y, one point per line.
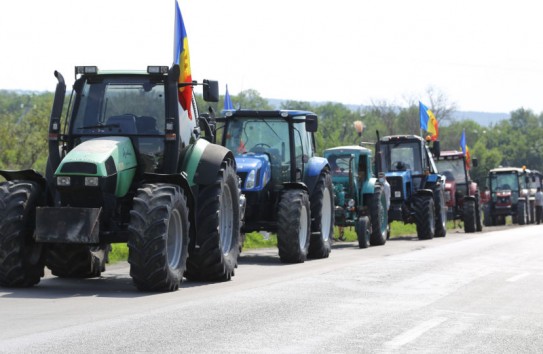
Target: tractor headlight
250	181
91	181
64	181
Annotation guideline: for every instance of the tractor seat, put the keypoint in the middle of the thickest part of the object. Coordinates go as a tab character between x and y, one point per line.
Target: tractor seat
126	123
146	125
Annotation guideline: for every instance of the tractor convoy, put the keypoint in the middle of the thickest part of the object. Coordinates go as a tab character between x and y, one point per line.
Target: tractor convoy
128	164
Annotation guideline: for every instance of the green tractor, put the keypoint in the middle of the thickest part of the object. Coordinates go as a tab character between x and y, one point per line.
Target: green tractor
127	164
360	199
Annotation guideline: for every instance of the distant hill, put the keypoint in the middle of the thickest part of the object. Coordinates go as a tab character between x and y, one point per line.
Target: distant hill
482	118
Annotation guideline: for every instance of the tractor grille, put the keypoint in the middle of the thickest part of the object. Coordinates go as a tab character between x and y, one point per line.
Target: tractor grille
79	167
396	188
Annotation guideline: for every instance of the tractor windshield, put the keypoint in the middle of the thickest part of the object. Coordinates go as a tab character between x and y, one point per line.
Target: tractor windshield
452	169
123	106
127	106
402	156
258	136
504	182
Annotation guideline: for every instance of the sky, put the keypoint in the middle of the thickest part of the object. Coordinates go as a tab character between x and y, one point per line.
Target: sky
481	55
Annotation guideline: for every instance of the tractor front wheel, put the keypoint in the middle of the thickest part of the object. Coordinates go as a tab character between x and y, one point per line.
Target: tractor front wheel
379	217
214	256
425	216
363	231
158	247
293	226
21	258
470	220
322	214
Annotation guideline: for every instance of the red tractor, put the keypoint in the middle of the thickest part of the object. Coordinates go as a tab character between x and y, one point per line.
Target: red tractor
461	193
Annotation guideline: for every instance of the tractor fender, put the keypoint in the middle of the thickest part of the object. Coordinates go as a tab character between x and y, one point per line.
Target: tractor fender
427	192
314	168
295	185
202	162
369	186
179	179
28	175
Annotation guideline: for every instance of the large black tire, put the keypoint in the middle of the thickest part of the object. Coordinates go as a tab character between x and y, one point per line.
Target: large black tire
470	219
441	213
478	219
363	231
379	217
158	245
77	260
21	258
521	213
424	216
215	255
322	218
293	226
488	220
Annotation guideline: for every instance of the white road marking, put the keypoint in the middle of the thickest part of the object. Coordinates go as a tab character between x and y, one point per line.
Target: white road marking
518	277
414	332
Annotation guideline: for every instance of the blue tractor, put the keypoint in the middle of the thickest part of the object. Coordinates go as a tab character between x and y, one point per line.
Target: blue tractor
288	189
417	189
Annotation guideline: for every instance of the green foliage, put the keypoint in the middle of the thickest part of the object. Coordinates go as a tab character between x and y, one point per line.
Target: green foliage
119	252
257	240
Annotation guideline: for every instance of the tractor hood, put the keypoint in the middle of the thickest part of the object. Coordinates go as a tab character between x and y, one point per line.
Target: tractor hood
254	170
107	157
97	152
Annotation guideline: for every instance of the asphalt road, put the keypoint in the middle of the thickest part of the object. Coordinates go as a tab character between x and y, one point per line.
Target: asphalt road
465	293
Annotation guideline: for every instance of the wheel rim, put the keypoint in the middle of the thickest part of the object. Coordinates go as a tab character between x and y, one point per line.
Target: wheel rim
226	221
302	233
175	239
326	215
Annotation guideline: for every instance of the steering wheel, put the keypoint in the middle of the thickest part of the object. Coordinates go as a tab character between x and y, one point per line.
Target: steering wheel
399	165
260	148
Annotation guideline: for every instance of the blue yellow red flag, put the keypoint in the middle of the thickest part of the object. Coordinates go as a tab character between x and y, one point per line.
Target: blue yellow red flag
465	149
228	105
182	58
428	121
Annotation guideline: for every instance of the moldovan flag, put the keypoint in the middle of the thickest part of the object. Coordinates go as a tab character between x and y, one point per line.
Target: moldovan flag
181	57
465	149
228	105
428	121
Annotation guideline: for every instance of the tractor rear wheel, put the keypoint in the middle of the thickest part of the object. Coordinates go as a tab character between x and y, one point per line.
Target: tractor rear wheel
322	214
158	246
379	217
77	261
214	256
21	258
478	219
470	222
363	231
425	216
293	226
441	213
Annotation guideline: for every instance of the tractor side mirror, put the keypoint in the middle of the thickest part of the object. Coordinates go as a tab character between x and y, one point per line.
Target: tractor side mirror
474	162
211	91
311	123
435	148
